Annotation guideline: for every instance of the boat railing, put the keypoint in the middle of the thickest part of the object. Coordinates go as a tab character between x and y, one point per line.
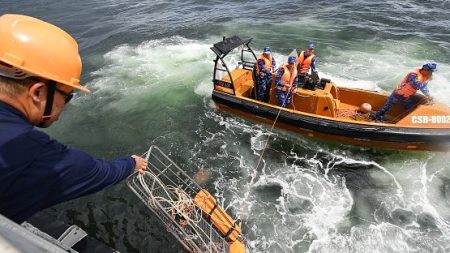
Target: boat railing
247	65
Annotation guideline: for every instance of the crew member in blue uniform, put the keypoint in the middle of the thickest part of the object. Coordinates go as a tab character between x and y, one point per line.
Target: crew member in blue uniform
307	60
39	68
408	86
265	65
286	81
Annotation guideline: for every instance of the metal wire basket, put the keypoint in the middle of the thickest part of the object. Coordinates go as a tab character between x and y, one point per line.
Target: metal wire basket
167	191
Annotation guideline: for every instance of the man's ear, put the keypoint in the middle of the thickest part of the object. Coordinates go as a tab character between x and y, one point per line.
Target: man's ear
36	90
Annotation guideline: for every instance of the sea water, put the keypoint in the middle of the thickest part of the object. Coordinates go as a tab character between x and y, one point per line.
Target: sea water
149	66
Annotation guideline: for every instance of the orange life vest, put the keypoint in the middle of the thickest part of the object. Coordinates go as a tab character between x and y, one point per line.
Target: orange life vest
267	62
405	89
288	78
303	64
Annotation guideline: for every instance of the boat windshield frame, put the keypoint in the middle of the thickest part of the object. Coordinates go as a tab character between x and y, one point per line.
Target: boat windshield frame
222	49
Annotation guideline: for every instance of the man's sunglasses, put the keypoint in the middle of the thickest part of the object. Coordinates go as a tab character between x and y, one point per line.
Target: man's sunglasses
67	96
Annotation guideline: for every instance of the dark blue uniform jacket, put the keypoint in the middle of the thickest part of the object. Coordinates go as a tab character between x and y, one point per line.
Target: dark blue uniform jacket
37	172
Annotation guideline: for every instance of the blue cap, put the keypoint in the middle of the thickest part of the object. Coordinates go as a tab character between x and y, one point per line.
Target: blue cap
292	59
430	66
267	50
312	46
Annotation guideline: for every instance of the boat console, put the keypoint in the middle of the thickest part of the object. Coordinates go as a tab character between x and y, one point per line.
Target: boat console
312	82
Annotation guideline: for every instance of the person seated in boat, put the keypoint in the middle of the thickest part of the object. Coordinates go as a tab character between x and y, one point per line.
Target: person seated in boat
265	65
408	86
308	60
286	81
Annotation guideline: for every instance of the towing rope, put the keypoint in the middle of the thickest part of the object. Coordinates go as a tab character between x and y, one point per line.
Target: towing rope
255	170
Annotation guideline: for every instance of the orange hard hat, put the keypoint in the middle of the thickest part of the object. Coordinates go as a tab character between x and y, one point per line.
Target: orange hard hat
32	47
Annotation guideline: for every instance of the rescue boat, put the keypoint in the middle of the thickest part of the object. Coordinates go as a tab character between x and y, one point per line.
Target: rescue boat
322	109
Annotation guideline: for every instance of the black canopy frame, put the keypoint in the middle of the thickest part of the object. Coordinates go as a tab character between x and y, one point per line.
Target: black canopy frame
222	49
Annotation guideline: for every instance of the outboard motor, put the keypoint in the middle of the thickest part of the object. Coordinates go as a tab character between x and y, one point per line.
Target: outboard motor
306	82
312	82
301	80
322	83
309	83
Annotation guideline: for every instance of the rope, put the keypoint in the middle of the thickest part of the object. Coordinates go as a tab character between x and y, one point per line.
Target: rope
182	204
255	170
346	113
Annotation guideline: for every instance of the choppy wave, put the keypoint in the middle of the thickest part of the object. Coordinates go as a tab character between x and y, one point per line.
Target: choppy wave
150	67
308	196
325	201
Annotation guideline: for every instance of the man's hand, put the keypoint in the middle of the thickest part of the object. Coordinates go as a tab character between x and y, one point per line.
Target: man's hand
141	164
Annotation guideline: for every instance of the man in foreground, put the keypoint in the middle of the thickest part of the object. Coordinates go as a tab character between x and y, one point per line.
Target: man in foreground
39	68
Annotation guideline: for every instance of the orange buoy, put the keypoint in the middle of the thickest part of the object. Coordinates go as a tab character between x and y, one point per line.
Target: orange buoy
365	108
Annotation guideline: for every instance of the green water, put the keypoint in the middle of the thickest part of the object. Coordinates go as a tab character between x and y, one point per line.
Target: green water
149	66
